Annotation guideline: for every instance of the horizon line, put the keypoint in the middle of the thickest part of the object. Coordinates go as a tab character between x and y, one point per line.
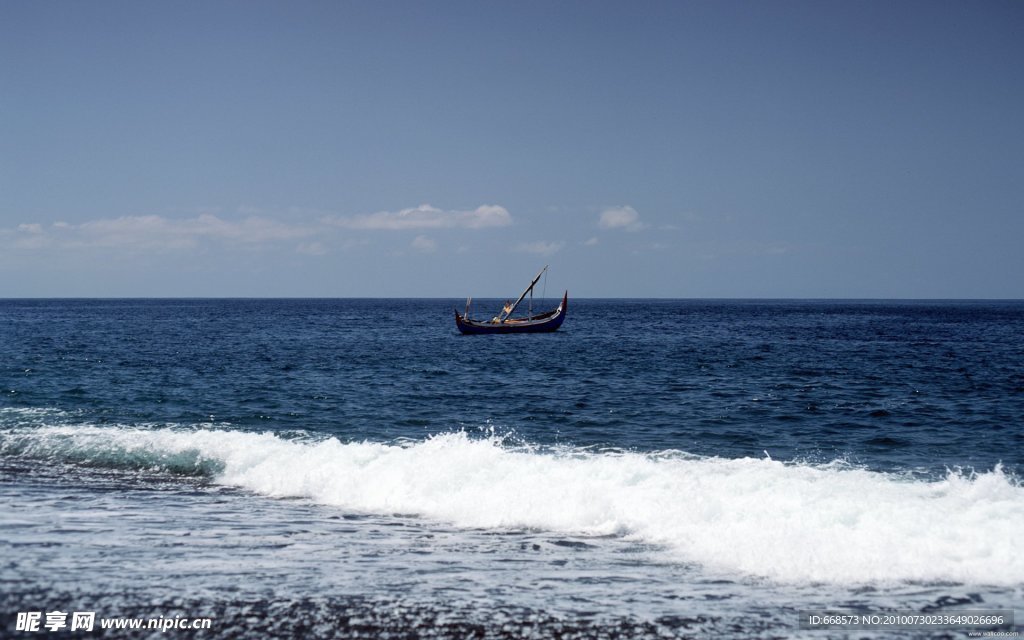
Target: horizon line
656	298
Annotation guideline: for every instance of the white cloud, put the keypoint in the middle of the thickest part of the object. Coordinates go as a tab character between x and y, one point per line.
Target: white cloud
778	249
591	241
158	232
424	244
312	248
427	217
540	247
624	217
175	233
28	236
312	235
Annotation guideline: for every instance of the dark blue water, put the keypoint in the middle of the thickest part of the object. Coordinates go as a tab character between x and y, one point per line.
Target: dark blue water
888	385
378	415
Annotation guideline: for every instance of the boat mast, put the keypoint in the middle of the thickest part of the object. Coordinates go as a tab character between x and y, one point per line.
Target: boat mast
504	315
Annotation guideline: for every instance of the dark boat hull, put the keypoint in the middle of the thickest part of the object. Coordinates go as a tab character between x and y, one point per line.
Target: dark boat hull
543	323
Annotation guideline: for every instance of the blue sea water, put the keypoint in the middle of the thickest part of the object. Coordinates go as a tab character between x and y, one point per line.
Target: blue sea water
356	468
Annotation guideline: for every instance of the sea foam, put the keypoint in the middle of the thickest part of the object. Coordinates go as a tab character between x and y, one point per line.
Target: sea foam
786	522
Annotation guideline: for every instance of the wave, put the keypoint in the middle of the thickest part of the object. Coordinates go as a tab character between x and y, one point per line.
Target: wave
757	517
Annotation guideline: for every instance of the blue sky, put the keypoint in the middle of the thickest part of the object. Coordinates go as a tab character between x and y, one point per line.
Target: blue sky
678	149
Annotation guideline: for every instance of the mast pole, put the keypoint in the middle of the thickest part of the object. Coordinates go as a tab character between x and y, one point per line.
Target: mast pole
505	314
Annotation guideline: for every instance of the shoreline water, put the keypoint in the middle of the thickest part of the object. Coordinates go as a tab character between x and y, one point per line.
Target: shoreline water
715	470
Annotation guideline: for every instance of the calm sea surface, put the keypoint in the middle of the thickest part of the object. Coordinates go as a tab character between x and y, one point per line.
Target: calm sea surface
321	468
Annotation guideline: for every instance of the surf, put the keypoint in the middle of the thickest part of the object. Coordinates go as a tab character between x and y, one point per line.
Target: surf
788	522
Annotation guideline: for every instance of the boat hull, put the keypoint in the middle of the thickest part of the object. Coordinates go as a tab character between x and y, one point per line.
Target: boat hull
544	323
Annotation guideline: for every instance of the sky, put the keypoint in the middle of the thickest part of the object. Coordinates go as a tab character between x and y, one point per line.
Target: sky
677	149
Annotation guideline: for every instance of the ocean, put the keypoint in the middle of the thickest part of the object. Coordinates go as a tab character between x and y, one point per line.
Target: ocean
655	469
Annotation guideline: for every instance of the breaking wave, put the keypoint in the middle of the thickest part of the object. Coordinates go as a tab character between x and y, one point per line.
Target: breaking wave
756	517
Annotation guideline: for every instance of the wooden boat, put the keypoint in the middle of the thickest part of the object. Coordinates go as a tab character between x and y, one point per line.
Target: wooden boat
505	323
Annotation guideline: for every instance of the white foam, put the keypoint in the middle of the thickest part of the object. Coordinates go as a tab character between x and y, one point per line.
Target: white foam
756	517
32	412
